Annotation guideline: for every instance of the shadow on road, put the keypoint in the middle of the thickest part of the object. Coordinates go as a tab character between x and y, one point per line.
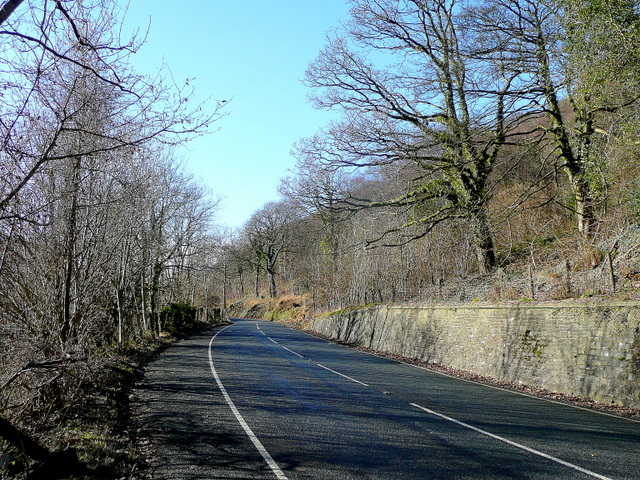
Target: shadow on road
174	407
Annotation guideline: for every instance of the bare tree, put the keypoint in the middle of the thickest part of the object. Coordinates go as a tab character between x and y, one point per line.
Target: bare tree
580	72
48	50
95	231
434	107
268	233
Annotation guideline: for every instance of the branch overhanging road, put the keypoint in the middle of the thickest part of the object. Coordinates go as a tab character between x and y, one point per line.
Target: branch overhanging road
257	400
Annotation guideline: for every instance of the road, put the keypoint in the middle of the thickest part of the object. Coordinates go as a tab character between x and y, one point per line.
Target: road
257	400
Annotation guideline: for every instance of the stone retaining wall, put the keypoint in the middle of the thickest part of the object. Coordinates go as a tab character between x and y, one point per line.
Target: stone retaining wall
591	351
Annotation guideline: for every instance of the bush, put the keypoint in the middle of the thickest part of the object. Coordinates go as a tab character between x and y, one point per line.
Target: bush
178	317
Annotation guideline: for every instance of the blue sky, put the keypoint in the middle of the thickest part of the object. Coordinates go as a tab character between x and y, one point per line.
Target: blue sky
254	52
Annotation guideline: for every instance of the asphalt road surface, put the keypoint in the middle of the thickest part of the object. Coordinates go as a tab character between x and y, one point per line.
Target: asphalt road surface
257	400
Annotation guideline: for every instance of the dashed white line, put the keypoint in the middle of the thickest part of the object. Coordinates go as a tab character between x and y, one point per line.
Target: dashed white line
512	443
247	429
523	394
289	350
320	365
342	375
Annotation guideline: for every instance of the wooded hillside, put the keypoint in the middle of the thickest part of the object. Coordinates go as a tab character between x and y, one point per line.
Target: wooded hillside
484	150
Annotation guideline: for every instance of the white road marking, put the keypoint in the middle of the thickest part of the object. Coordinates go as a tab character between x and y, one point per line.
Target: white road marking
523	394
514	444
343	375
516	392
289	350
247	429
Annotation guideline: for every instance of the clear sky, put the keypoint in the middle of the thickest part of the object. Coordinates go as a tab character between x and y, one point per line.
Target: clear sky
254	53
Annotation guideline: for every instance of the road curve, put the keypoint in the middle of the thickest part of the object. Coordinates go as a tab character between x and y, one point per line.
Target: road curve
257	400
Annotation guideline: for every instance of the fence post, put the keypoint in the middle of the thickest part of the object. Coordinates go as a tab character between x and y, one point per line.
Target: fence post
532	285
612	275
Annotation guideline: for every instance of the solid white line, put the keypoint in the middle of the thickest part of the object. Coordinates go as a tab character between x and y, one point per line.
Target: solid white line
342	375
518	445
247	429
289	350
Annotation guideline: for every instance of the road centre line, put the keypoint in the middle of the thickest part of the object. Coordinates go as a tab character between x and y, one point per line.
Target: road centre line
342	375
487	385
523	394
289	350
321	366
247	429
514	444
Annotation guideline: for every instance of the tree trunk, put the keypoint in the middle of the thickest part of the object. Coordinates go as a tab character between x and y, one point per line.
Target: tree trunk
143	305
575	160
69	250
273	292
206	297
8	8
22	441
583	208
5	250
224	288
60	464
257	283
483	242
153	296
120	319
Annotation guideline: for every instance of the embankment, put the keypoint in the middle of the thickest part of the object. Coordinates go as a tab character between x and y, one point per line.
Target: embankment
590	351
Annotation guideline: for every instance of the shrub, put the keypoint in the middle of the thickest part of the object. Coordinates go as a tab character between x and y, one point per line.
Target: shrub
178	317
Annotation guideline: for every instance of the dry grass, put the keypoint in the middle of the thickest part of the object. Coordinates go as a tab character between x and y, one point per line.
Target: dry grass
290	309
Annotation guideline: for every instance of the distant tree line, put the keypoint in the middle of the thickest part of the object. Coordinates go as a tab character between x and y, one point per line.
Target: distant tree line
470	136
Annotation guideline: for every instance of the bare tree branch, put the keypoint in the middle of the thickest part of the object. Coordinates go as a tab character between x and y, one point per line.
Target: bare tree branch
8	8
